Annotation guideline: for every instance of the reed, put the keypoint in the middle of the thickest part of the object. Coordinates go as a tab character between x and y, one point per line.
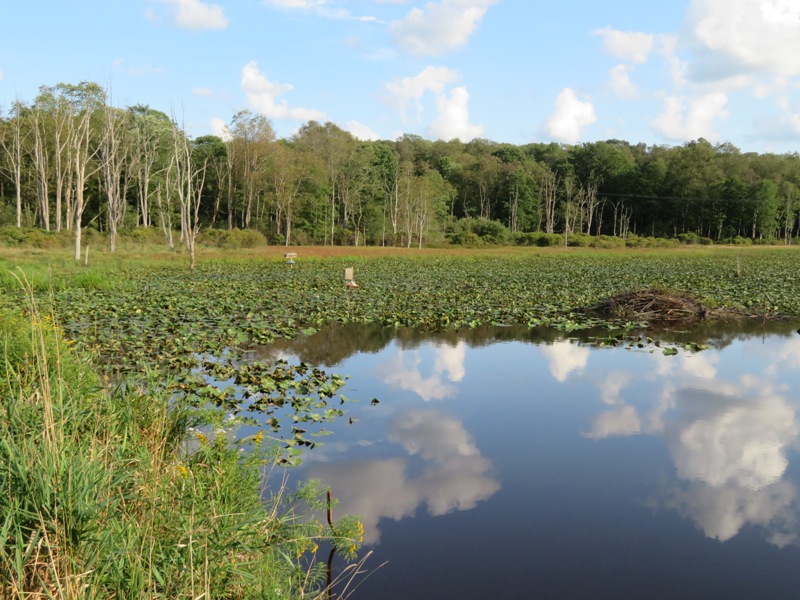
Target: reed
125	492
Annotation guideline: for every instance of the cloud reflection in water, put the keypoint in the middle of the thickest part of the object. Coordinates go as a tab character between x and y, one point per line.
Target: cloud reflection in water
452	475
728	441
404	371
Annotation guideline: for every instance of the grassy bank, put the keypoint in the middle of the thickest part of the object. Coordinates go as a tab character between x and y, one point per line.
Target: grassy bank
124	493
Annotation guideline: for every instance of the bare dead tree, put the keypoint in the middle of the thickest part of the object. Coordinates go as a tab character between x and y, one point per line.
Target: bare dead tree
12	144
186	180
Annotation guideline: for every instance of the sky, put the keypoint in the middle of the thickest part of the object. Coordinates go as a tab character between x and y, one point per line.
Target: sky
662	72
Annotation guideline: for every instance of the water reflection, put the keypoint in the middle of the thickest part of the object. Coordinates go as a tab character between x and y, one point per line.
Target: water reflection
404	370
565	358
451	474
627	455
729	440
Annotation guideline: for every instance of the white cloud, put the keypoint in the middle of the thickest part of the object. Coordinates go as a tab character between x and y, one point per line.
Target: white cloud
570	117
411	89
619	421
668	49
202	92
722	512
264	96
678	122
745	36
790	351
453	475
450	359
564	357
220	128
404	371
196	15
621	83
721	438
452	120
612	386
361	131
628	45
440	27
319	8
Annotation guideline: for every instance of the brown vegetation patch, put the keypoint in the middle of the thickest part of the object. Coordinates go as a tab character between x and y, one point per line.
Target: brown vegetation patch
655	306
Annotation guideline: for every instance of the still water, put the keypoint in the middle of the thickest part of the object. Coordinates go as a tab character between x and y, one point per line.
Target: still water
508	464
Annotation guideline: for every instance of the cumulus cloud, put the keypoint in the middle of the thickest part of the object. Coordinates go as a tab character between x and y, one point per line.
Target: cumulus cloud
570	117
407	90
720	437
612	385
404	371
452	120
744	36
439	27
196	15
453	475
621	83
631	46
265	97
361	131
620	421
668	49
729	443
450	360
452	103
564	358
220	128
720	513
681	122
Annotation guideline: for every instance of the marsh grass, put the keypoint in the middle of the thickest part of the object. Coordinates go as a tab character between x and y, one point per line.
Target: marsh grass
117	494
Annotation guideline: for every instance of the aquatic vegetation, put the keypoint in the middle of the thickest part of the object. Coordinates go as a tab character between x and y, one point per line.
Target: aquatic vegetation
151	314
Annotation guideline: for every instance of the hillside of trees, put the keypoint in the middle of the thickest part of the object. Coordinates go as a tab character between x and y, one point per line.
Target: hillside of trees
69	160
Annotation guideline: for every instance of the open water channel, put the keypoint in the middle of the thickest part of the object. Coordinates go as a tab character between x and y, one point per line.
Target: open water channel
519	464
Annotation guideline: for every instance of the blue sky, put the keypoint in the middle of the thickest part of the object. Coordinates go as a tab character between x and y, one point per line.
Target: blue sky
517	71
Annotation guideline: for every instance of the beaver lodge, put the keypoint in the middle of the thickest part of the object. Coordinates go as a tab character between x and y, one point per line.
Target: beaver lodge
658	307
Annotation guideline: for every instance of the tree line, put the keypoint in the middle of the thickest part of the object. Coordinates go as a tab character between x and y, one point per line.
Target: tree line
70	159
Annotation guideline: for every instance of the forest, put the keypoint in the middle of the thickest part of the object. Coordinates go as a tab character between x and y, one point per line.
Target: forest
71	160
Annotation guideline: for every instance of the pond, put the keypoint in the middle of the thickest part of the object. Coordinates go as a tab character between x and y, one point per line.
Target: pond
504	463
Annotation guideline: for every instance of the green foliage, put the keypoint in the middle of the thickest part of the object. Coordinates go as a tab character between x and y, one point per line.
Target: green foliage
580	240
144	235
693	238
232	238
128	493
550	239
11	236
477	231
607	241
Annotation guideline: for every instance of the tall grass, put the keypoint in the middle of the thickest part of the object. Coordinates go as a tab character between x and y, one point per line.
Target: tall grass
115	494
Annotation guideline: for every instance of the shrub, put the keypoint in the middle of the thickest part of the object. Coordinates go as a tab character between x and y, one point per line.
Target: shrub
607	242
231	238
486	230
144	235
579	240
525	239
550	239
